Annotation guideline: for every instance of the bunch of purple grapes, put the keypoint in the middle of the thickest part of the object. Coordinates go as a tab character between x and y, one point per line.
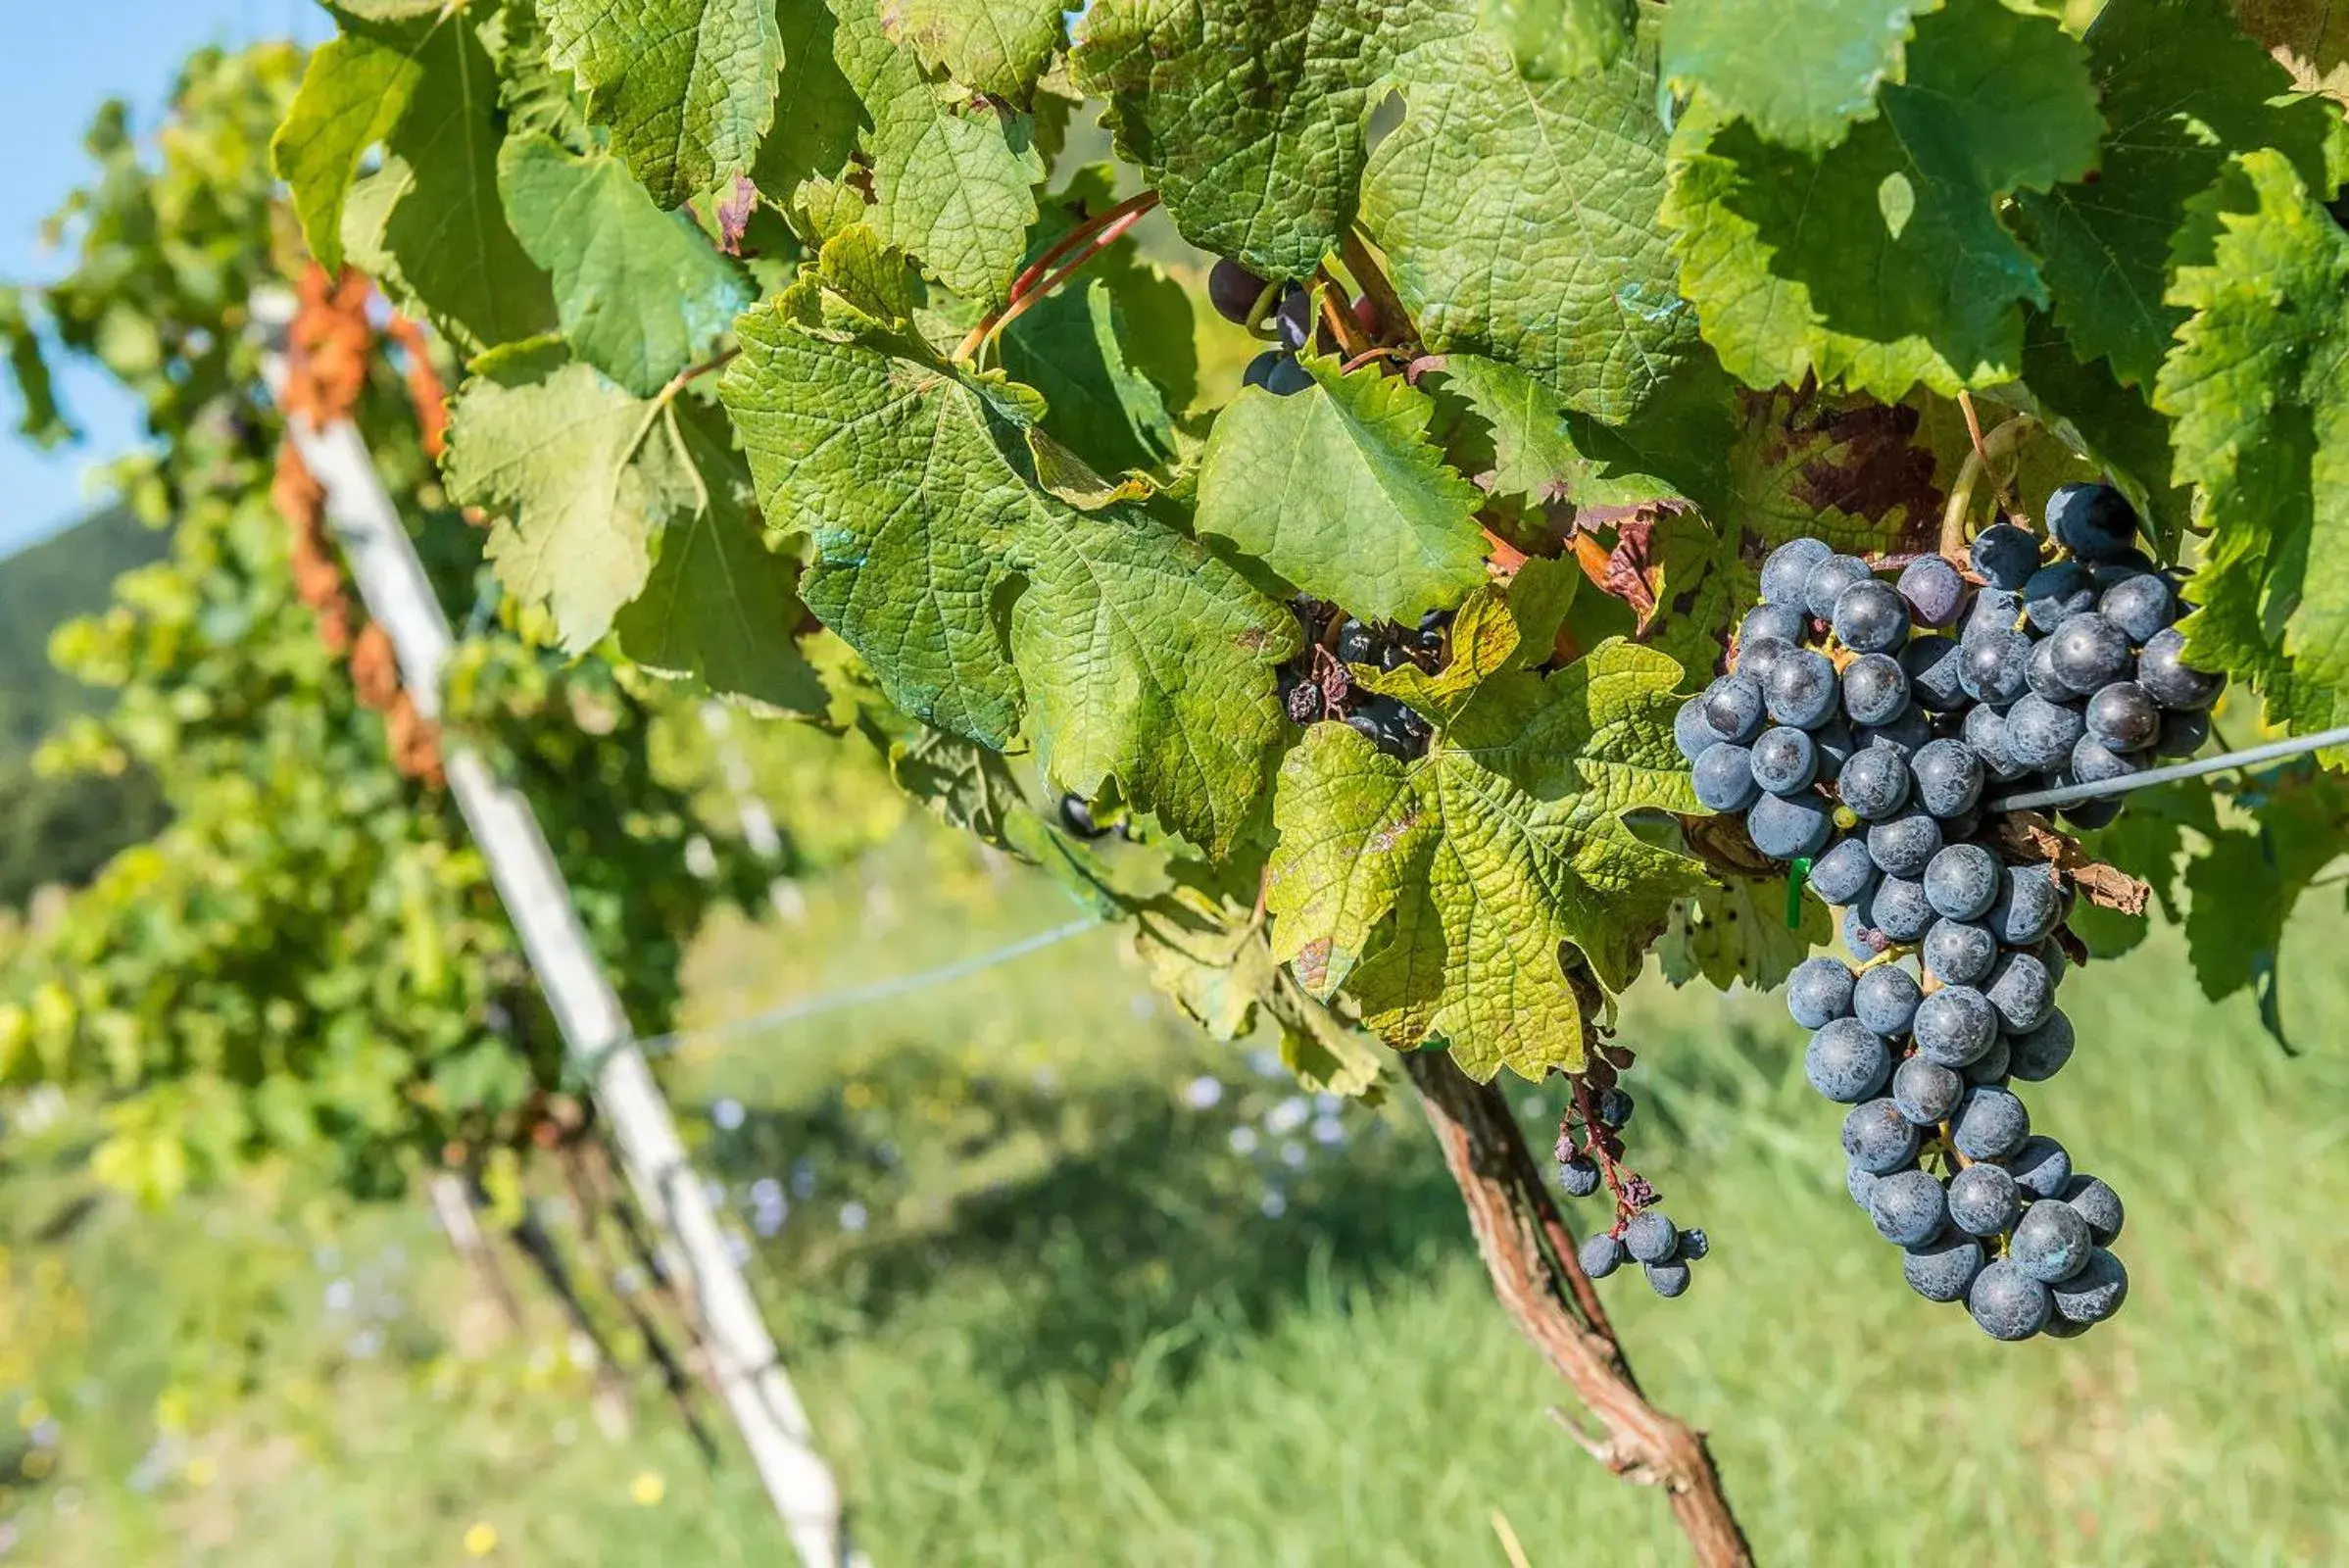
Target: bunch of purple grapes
1864	742
1286	313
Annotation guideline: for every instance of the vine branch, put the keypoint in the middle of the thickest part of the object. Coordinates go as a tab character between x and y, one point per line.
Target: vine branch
1089	239
1529	1252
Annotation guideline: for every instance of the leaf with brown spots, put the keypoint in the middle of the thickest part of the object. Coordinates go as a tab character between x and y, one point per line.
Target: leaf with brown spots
1846	469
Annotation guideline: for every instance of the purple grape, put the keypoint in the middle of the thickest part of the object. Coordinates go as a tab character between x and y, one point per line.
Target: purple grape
2095	1292
1234	290
1934	667
1990	1122
1785	623
2039	1053
1904	845
1879	1140
2141	605
1947	777
1870	618
1785	569
1959	953
1992	668
2056	593
1724	778
1944	1269
1784	762
2162	670
1874	783
1961	881
1875	691
2023	991
2091	653
1847	1062
1955	1026
1788	827
1897	908
2040	734
1983	1200
1802	690
2099	1204
1886	998
2040	1167
1819	991
1933	589
1908	1207
2007	1303
2050	1242
2094	521
2004	554
1827	581
1926	1092
1844	873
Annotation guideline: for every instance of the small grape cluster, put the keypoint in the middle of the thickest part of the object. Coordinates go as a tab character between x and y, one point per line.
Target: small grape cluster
1286	313
1590	1155
1859	740
1317	684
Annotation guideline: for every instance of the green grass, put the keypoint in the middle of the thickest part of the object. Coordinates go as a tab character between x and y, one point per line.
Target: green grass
1068	1334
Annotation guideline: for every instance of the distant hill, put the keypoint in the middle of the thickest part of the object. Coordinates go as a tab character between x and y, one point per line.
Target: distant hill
61	830
68	574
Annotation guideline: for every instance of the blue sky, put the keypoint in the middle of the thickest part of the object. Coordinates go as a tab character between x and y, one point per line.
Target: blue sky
58	61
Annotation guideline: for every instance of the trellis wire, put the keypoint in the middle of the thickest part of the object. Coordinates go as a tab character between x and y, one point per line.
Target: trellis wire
2274	751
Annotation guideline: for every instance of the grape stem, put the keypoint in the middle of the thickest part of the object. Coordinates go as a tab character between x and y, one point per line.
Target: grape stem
1961	490
1372	281
1089	239
1529	1252
1340	319
2006	501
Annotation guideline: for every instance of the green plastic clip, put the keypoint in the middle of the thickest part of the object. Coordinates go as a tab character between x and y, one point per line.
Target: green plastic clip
1800	870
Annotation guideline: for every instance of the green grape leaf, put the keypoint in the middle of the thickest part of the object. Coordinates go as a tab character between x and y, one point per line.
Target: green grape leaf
1072	349
718	605
998	47
1840	468
2183	90
953	181
1675	448
874	279
1560	37
686	87
972	591
961	783
1882	261
1736	930
1250	120
2241	891
1508	431
818	115
429	224
2258	387
39	419
1520	222
353	92
640	292
1338	490
1443	892
579	474
1797	70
